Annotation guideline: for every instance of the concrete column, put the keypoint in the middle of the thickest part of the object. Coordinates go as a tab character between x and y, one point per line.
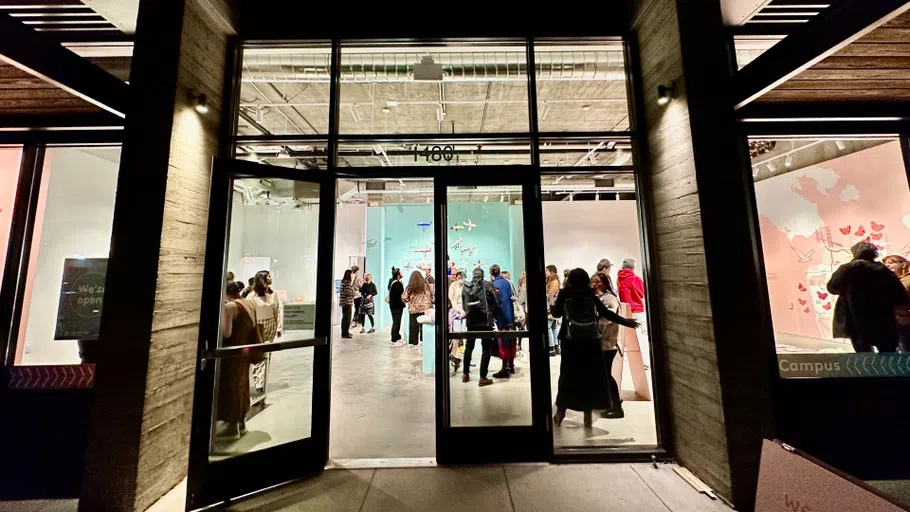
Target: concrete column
138	445
716	340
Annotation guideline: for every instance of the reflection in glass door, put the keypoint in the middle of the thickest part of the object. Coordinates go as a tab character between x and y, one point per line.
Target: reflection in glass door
261	411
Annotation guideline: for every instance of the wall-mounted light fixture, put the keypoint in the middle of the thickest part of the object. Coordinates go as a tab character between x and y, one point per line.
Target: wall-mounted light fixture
665	93
200	101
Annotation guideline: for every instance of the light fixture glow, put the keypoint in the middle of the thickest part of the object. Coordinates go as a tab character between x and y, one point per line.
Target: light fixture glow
789	161
771	167
840	145
201	103
586	107
664	93
386	110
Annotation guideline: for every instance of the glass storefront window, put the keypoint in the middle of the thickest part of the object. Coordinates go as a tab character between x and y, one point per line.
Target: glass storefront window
817	201
10	159
310	154
590	221
436	152
445	88
68	260
284	90
581	87
586	152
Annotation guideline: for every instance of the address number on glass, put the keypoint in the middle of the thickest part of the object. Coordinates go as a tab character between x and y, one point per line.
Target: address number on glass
435	153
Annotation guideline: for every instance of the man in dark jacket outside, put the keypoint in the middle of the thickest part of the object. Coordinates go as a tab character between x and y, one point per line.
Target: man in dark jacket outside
867	294
479	302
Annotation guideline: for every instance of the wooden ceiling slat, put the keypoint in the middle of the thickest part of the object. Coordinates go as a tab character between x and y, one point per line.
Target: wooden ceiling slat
886	35
875	50
839	95
837	62
797	84
855	74
900	21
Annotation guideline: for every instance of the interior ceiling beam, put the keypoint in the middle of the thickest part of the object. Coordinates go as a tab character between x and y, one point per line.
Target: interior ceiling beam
35	54
737	12
836	27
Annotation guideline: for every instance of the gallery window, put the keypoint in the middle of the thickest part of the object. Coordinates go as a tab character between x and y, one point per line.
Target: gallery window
67	261
10	160
817	199
581	87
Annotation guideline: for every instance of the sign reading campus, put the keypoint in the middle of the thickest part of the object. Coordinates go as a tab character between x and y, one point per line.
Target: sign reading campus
81	298
843	365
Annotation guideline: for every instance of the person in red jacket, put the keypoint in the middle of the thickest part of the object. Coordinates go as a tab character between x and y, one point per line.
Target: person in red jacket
632	291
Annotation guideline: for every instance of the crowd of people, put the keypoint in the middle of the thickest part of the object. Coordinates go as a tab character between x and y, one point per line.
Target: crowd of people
583	320
251	315
873	304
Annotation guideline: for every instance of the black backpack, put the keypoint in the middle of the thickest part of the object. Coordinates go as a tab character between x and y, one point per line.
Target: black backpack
476	303
582	320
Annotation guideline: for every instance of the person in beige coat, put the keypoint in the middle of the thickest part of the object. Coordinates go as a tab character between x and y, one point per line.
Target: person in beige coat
609	343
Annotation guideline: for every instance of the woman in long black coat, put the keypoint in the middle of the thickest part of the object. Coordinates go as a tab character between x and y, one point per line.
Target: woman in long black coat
583	379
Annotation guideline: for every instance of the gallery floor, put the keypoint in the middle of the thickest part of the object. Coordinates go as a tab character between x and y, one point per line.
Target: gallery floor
383	404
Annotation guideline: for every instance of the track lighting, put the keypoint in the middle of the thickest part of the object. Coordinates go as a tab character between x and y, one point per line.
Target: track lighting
840	145
789	161
665	93
386	110
586	107
771	167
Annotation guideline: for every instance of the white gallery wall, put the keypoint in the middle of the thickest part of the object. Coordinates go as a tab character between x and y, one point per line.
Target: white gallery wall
580	233
79	186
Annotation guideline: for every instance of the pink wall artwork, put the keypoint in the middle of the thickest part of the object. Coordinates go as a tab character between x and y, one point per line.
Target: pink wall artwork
810	217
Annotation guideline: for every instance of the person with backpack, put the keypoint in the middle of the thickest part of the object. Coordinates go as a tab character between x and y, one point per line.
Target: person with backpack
583	378
480	305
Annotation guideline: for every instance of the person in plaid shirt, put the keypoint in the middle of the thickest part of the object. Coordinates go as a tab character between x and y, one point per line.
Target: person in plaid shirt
346	301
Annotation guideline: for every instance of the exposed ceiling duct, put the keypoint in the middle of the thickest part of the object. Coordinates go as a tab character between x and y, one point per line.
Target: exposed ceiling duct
312	67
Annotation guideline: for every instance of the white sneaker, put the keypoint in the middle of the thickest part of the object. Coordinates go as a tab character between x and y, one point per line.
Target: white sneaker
412	347
399	343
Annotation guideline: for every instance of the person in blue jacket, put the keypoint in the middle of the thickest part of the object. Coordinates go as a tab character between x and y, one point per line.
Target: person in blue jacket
505	321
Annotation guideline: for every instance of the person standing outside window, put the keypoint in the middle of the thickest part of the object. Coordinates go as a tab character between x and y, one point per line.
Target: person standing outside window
357	282
552	275
346	301
632	292
901	268
396	306
417	296
867	294
505	321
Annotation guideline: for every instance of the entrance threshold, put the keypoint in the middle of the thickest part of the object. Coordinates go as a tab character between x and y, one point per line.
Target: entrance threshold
391	463
410	462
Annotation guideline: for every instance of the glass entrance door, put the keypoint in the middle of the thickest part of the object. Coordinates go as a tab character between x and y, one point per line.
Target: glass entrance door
493	401
261	411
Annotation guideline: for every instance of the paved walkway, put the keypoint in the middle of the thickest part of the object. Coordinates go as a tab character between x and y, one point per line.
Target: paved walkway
521	487
517	487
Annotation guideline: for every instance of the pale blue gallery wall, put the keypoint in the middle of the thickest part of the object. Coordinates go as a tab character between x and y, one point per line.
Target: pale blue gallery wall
397	236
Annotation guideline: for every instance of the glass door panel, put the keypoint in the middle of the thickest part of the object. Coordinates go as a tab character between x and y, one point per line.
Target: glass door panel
261	412
495	402
486	248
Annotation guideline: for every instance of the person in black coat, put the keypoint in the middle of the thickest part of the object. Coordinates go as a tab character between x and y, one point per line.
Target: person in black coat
583	378
867	294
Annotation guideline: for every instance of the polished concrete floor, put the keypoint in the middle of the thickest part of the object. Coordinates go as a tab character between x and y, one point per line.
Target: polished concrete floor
383	404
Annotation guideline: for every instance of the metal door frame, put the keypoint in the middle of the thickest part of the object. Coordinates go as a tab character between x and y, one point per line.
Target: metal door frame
210	483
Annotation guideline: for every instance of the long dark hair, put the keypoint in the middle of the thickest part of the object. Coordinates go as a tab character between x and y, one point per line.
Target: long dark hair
396	274
417	284
260	283
579	280
347	276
